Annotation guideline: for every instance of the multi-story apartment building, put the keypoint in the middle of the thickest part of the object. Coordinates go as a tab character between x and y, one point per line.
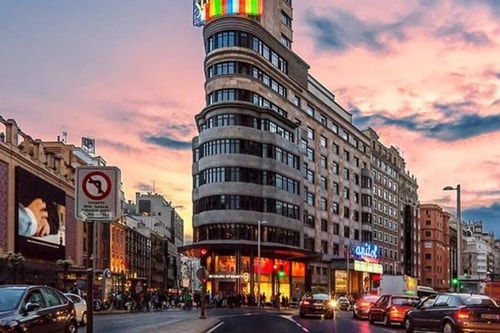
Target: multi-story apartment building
395	212
151	212
434	245
276	153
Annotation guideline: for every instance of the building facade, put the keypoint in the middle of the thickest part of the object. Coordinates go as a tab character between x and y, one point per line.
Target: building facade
276	153
395	209
434	245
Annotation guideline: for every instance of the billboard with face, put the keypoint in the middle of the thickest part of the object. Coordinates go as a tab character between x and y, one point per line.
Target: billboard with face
40	217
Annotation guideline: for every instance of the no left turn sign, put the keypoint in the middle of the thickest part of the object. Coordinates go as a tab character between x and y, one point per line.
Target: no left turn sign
97	193
97	185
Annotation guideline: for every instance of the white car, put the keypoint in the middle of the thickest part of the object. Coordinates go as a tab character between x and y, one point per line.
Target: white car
80	307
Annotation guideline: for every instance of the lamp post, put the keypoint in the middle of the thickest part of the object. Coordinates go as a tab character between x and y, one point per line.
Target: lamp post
258	260
459	226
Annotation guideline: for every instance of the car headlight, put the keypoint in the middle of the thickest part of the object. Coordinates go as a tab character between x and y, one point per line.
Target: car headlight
333	304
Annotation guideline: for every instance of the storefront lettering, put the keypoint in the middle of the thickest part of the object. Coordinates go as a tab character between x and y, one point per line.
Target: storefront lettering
366	250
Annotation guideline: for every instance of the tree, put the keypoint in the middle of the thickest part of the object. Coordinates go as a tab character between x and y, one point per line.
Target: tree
65	264
14	260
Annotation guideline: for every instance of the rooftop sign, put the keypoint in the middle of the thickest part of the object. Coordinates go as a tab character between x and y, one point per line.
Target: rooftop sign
205	10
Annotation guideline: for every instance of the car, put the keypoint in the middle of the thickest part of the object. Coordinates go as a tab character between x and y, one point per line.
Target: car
362	306
34	308
452	313
343	303
80	307
390	309
316	304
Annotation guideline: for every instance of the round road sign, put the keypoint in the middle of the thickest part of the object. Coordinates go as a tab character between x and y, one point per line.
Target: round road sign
96	185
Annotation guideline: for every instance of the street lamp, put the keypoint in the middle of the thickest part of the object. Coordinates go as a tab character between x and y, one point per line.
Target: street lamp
459	226
258	260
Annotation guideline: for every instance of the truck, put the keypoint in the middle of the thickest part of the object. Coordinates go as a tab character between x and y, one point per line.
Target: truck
397	285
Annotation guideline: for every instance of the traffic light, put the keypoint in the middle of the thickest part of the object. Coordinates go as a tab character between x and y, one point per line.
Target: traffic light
376	280
454	281
281	272
203	257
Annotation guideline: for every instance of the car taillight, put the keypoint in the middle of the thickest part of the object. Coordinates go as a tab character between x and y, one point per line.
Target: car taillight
306	303
463	314
365	303
394	309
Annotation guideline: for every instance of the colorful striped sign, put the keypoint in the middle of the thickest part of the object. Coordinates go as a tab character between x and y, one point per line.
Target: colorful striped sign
205	10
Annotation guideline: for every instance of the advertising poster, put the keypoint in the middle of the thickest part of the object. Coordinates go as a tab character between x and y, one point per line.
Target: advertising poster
40	217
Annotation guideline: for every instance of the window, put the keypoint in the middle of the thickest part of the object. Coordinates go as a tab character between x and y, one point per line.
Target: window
296	101
346	231
310	110
346	155
335	168
323	204
310	133
286	41
310	175
323	162
322	119
428	222
324	249
335	207
336	228
347	212
323	182
324	225
310	198
323	141
52	298
285	19
428	256
428	233
310	153
335	148
335	188
345	193
346	174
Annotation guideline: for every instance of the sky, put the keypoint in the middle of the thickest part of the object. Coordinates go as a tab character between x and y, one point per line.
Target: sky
425	74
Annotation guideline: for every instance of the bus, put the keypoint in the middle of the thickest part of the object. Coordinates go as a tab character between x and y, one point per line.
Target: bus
424	291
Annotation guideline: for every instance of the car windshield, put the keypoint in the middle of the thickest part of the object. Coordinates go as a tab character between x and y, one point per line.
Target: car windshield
10	298
405	301
478	301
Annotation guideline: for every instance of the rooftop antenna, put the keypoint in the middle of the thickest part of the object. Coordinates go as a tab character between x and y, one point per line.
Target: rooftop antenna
65	137
154	191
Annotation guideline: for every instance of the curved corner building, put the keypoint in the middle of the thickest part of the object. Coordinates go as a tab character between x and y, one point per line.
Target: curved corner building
270	157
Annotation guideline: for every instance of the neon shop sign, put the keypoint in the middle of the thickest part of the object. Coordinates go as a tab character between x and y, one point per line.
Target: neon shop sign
366	251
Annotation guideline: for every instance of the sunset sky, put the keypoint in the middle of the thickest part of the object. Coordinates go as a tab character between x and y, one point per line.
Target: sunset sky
425	74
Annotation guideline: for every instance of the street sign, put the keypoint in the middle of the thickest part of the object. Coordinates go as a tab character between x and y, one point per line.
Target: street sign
97	193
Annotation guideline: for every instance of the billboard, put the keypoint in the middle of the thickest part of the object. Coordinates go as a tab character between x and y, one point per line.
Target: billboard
40	217
205	10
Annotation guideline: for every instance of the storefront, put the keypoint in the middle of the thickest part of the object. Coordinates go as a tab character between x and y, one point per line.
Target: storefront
236	274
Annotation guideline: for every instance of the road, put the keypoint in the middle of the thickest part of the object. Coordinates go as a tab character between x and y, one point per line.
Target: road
274	322
243	320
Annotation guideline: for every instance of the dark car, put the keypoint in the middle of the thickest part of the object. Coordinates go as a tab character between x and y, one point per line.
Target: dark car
450	313
362	306
390	309
316	304
33	309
